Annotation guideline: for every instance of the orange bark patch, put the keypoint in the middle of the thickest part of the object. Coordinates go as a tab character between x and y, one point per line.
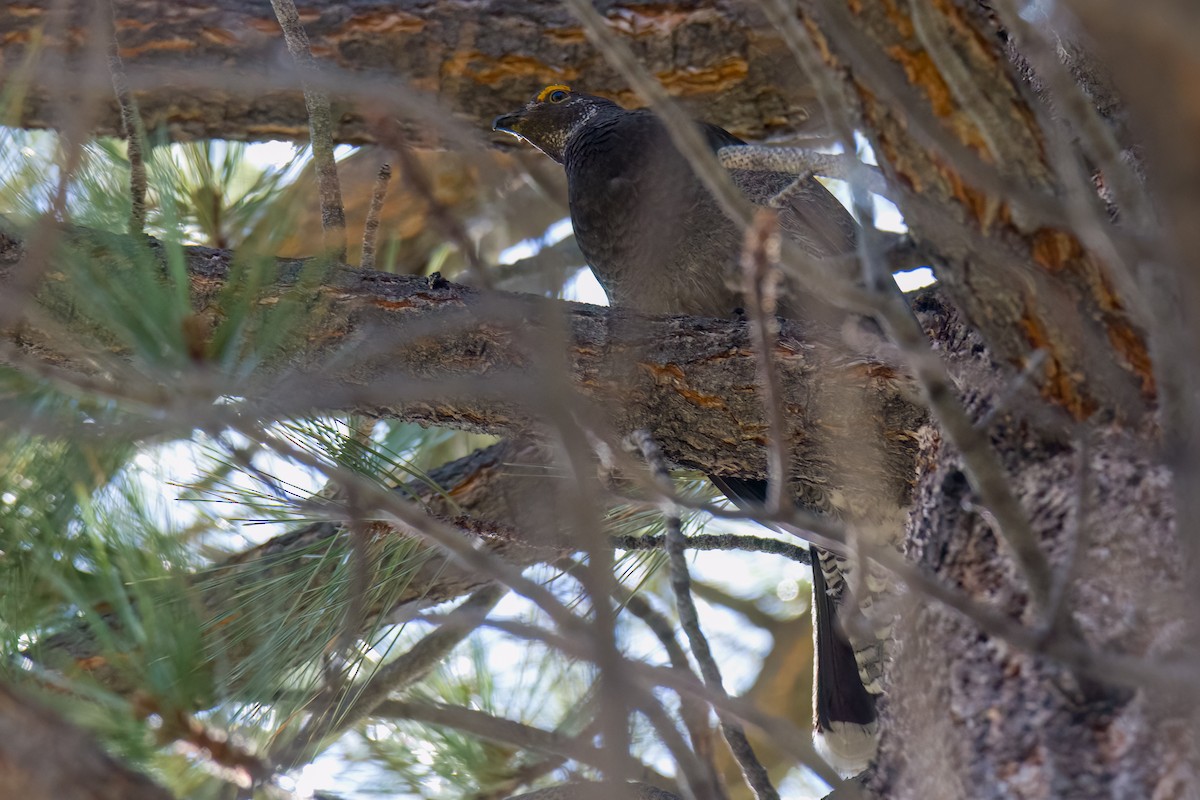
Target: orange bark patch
655	21
1129	344
566	35
393	305
1054	249
382	21
226	620
900	21
921	72
176	45
672	375
875	370
279	131
263	25
91	663
975	201
491	71
467	484
820	41
1060	386
218	36
705	80
125	24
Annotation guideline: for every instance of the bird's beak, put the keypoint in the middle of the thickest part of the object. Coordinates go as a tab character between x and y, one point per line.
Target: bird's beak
508	123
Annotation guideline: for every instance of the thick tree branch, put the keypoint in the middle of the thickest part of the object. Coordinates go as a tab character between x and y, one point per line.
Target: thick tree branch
432	352
479	59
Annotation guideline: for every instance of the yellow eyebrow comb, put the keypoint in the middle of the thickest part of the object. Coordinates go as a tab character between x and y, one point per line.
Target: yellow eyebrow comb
554	87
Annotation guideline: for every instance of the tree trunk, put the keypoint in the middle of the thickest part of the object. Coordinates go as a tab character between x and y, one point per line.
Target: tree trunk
974	715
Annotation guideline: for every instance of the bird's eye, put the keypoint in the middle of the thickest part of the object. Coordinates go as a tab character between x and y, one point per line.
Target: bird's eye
557	96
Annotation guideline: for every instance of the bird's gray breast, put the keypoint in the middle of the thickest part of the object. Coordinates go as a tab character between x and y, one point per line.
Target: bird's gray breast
653	235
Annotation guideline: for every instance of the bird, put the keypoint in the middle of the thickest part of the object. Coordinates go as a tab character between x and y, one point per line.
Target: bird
658	242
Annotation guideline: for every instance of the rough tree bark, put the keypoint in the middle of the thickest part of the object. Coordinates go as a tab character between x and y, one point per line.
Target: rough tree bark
480	59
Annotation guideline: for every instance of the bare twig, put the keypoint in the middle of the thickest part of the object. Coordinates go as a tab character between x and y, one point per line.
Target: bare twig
44	238
693	713
358	585
501	730
320	125
760	265
1058	612
598	790
353	706
752	769
982	464
371	227
237	765
719	541
932	31
803	163
131	123
1037	360
1039	45
443	216
683	132
784	734
1036	203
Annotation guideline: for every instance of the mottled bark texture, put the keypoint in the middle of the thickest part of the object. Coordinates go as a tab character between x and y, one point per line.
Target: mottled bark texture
968	715
478	59
960	136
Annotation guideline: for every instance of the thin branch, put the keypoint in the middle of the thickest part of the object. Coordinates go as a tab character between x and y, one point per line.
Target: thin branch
980	460
131	123
1070	101
503	731
735	736
320	125
693	713
718	541
933	33
355	705
1058	613
236	764
885	76
803	163
371	226
1023	380
783	733
442	215
683	132
760	265
598	790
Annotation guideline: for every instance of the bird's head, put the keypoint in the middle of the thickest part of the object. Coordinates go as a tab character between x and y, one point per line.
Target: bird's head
549	120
